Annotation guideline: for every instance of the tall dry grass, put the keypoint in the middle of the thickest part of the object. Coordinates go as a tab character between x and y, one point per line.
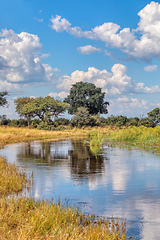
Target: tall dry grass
11	178
26	219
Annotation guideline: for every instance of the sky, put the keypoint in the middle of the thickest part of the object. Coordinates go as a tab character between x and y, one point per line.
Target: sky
47	46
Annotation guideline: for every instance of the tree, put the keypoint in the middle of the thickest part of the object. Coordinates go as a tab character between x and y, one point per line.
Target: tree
87	95
3	100
155	115
81	118
20	103
43	108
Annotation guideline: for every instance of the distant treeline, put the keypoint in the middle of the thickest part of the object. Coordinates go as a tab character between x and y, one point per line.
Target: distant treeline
62	123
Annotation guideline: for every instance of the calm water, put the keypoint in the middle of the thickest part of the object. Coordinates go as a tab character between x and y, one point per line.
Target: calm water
120	182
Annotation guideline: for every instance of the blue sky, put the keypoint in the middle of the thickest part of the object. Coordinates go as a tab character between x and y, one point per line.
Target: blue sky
46	46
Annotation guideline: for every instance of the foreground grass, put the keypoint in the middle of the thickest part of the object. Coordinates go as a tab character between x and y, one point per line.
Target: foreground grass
11	179
27	219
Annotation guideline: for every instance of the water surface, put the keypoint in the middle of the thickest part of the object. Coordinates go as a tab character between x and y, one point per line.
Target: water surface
120	182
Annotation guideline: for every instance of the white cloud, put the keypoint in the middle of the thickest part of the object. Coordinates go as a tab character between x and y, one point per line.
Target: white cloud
129	106
62	94
145	46
59	24
20	60
88	49
150	68
113	83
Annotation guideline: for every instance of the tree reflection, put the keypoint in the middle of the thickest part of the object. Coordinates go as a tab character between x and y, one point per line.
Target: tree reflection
75	154
83	162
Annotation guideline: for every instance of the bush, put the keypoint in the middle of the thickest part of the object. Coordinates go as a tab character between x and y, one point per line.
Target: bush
132	122
82	118
147	122
4	120
35	123
116	121
18	123
60	121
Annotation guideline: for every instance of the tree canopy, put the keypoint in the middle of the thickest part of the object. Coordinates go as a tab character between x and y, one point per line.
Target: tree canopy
43	108
20	103
3	100
87	95
155	115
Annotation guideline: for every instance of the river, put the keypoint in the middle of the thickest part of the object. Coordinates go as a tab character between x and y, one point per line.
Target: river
120	182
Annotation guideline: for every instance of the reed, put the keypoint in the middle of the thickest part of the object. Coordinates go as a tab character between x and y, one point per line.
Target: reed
26	219
96	141
11	178
142	136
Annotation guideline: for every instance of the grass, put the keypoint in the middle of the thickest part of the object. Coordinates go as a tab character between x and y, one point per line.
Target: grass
140	136
26	219
11	179
96	141
14	135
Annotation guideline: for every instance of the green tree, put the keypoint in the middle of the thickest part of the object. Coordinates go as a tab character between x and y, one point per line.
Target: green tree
3	100
147	122
81	118
43	108
155	115
20	103
87	95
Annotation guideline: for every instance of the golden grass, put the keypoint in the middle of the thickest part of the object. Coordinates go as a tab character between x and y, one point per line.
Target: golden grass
26	219
11	179
13	135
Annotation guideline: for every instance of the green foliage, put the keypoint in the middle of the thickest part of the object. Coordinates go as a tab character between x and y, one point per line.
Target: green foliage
60	121
132	121
96	141
87	95
35	122
116	121
155	115
147	122
20	103
3	100
81	118
4	120
43	108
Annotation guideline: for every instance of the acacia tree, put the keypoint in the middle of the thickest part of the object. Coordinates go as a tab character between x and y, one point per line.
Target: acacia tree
43	108
83	94
20	103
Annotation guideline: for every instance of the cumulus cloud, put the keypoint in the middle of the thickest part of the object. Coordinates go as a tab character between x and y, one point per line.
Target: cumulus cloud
88	49
20	60
114	83
150	68
142	42
62	94
60	24
128	106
